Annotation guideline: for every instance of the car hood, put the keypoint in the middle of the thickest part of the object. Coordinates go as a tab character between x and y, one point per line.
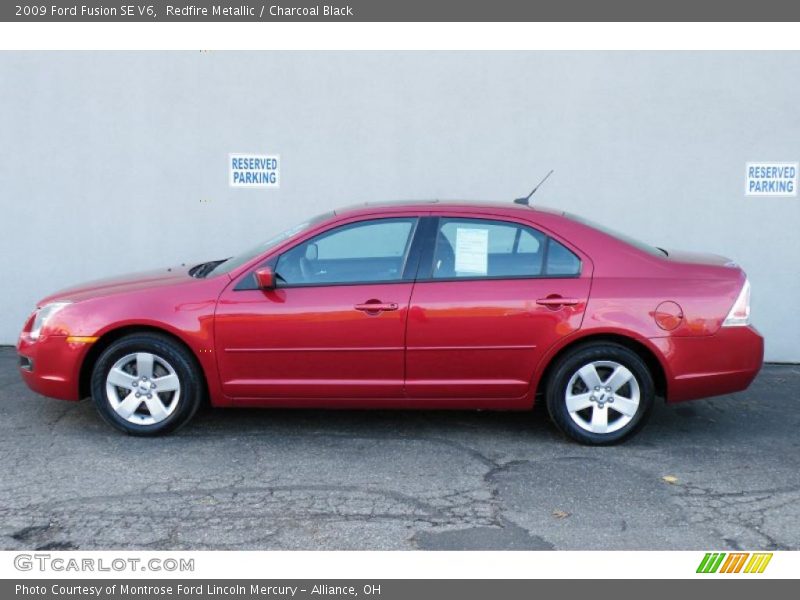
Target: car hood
122	284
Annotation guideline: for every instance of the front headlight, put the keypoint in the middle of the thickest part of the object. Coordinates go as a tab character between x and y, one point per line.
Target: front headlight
43	314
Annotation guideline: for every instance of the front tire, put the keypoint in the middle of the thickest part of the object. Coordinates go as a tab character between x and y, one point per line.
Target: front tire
146	384
600	393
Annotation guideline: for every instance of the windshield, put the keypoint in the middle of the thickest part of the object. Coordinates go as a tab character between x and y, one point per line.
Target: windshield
620	236
230	264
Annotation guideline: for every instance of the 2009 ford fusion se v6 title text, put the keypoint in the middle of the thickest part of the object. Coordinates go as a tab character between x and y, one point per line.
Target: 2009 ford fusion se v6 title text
428	305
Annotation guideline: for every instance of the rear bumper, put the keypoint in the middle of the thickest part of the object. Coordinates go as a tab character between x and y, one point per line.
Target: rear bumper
51	366
703	366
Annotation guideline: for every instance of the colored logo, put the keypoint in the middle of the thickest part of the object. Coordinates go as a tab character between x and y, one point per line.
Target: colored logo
735	562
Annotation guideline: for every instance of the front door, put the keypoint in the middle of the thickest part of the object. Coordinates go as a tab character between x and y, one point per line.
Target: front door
335	325
495	296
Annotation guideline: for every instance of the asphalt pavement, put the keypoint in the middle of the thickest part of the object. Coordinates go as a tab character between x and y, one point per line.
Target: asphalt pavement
713	474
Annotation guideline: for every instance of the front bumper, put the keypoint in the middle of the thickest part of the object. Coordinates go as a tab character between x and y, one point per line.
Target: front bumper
703	366
51	366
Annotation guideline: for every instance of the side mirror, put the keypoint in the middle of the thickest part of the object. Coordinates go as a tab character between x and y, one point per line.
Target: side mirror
265	277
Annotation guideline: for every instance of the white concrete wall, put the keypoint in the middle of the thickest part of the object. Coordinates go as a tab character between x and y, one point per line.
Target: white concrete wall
114	162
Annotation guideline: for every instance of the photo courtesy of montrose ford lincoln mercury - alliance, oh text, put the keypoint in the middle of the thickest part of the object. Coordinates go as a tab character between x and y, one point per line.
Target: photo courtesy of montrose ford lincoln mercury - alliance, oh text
419	305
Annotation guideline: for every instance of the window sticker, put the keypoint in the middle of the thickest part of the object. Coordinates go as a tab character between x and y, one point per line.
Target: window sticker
472	251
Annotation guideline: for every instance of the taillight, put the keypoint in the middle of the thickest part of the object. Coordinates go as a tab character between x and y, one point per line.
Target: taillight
740	312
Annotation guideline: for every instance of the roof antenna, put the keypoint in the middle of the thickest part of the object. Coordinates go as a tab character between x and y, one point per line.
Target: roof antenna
526	199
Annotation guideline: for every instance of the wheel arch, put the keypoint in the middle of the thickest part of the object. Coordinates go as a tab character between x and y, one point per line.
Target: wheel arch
644	351
111	336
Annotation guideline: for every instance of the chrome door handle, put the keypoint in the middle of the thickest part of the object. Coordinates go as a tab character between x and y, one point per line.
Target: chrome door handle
555	301
376	307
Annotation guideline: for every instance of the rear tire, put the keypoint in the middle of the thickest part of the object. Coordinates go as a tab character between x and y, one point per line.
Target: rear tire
146	384
600	393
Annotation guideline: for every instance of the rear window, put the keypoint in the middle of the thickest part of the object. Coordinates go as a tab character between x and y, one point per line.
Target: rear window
620	236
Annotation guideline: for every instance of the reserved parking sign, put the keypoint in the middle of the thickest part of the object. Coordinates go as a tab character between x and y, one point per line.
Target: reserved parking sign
254	170
771	179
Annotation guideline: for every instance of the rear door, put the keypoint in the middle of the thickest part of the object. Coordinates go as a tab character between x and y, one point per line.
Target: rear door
491	296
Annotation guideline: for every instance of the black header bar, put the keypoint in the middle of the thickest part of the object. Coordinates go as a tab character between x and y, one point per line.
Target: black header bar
401	10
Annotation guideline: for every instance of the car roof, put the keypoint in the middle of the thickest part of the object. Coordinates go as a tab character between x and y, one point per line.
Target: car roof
467	205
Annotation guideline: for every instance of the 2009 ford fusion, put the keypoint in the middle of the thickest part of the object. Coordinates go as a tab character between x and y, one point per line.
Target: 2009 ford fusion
419	305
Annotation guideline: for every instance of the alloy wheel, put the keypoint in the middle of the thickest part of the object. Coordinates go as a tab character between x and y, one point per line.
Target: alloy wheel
602	396
143	388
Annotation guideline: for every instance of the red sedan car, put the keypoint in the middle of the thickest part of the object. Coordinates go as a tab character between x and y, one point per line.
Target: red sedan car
419	305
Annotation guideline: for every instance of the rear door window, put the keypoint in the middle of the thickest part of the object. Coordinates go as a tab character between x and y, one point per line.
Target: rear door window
483	248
